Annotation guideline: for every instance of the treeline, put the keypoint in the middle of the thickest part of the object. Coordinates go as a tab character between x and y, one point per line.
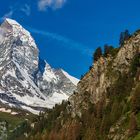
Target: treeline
110	50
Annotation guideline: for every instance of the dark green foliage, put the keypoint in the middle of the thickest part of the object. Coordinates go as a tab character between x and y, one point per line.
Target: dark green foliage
114	51
90	67
124	36
50	120
135	65
97	54
81	77
136	100
107	50
18	132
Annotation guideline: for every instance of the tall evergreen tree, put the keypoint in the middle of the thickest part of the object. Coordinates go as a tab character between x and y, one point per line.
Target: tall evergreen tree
107	50
97	54
124	36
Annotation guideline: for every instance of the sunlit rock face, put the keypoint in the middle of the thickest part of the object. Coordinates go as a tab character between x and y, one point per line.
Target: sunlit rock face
26	81
103	74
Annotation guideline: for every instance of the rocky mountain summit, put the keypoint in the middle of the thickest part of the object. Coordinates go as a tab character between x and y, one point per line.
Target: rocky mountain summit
26	81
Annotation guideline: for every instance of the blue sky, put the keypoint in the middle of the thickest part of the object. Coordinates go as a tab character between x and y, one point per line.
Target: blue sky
68	31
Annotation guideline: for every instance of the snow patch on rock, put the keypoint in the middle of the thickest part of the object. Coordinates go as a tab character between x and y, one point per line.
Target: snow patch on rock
71	78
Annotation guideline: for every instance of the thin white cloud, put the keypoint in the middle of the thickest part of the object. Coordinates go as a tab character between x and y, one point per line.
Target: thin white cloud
9	14
43	5
16	9
26	9
65	42
59	3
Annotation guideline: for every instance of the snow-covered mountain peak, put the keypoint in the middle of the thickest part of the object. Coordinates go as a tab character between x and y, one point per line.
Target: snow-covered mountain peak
49	74
26	81
17	31
47	66
11	21
19	46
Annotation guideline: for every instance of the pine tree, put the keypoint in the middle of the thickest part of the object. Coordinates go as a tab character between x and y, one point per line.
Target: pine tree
124	36
107	50
97	54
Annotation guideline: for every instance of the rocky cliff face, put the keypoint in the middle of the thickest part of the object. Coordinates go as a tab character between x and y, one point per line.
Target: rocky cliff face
25	81
106	71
